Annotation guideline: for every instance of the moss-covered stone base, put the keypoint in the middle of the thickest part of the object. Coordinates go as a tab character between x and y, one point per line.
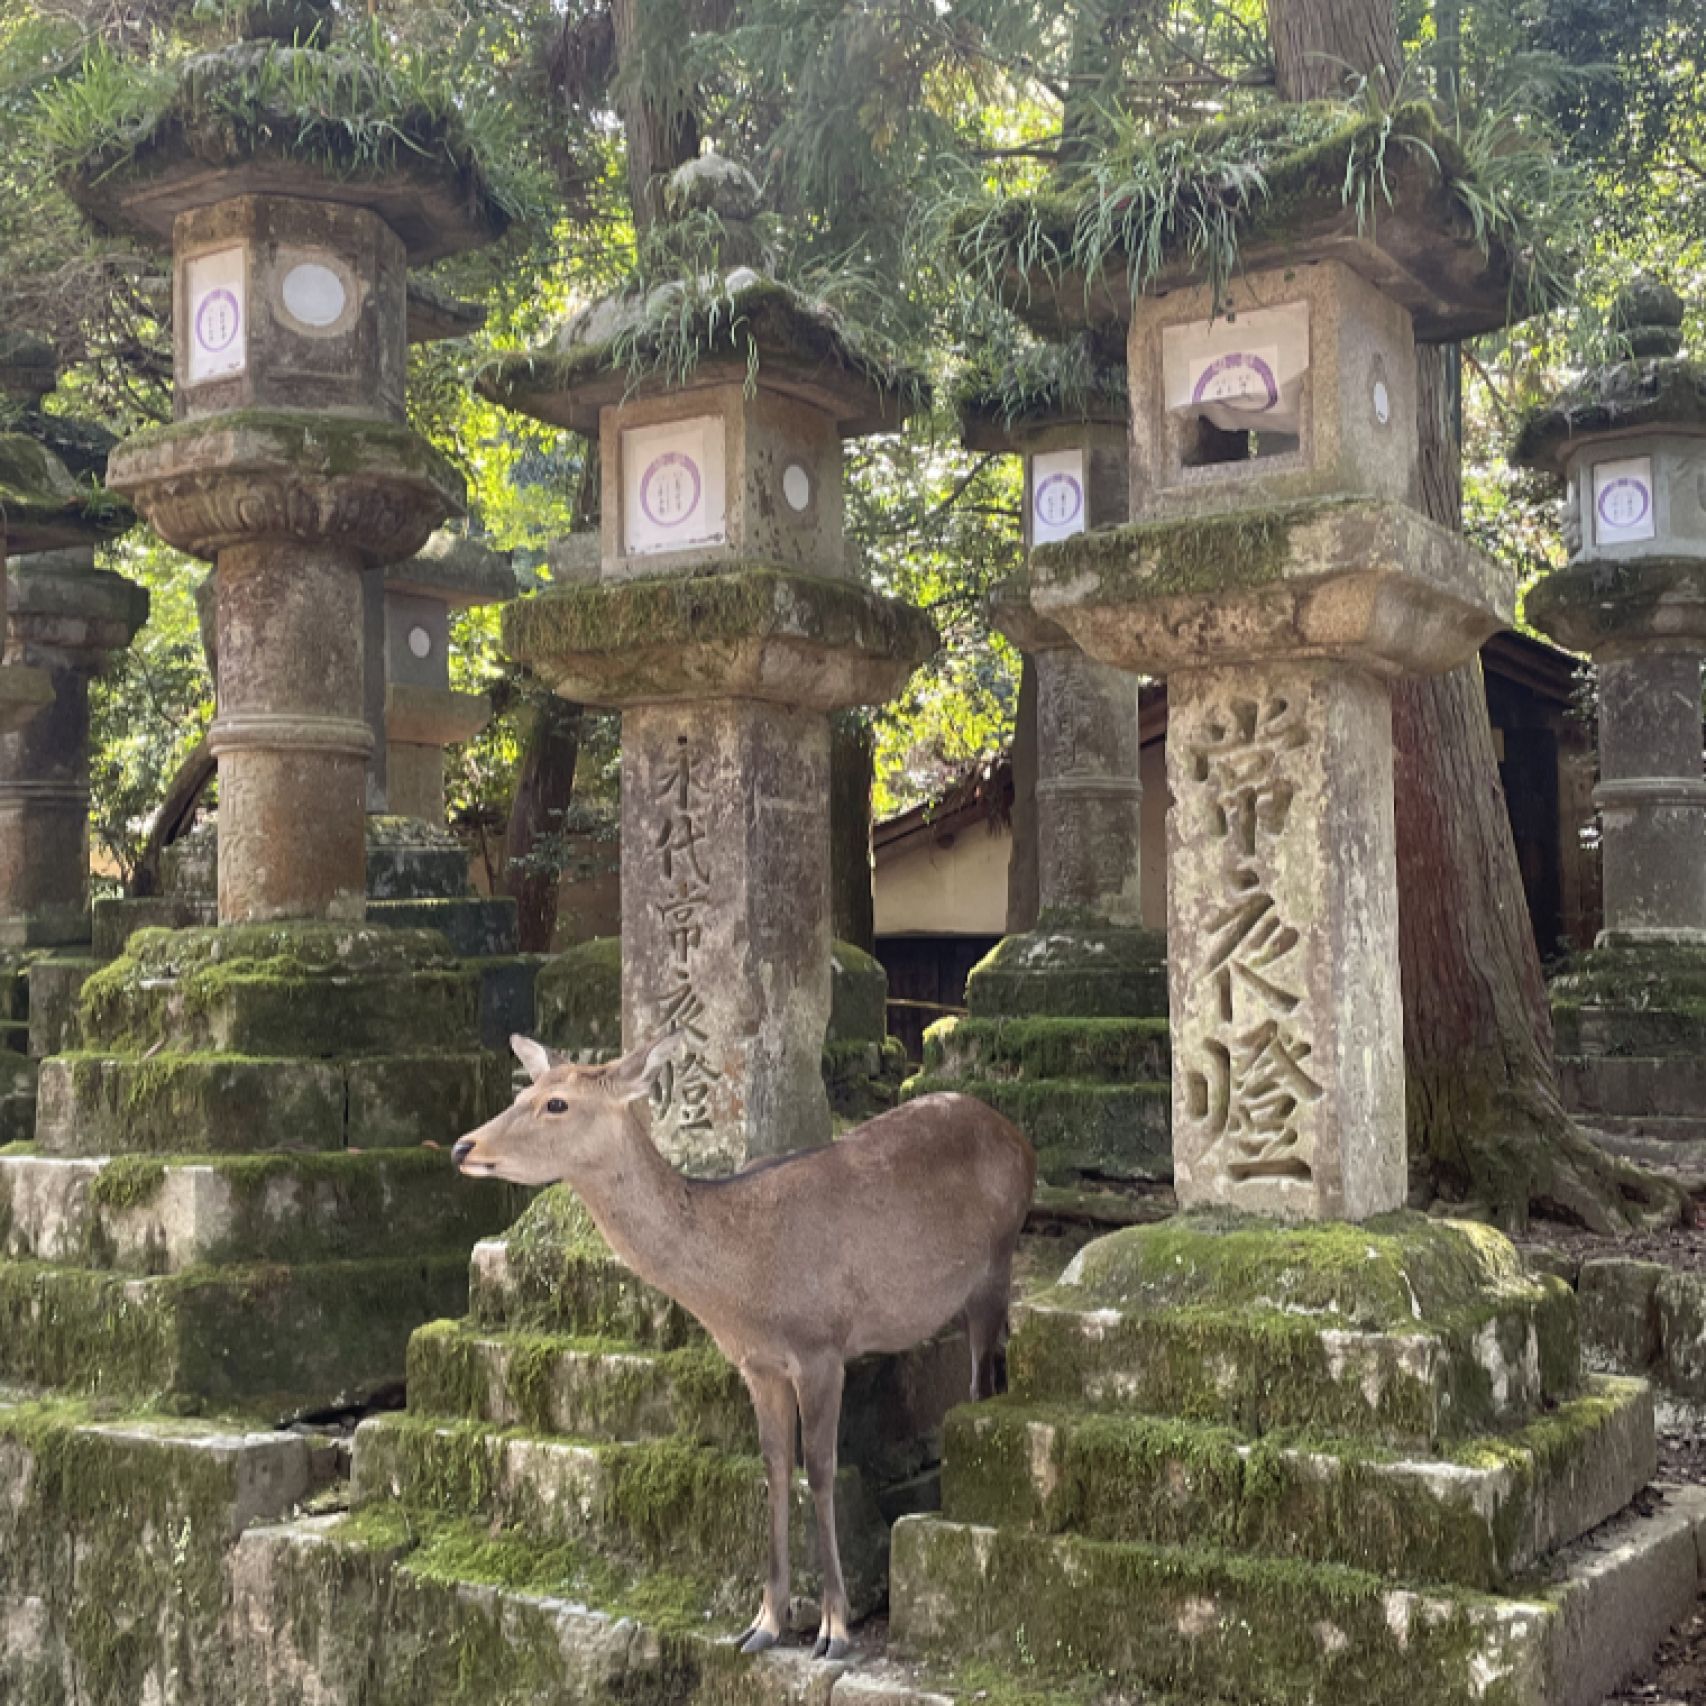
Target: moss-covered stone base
271	1339
652	1503
1068	970
1646	1318
383	1610
1630	1023
1403	1330
113	1539
579	999
1484	1512
1067	1036
148	1214
226	1103
1201	1624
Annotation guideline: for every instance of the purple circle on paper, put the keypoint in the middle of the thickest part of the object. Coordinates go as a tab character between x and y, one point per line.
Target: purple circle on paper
1059	500
663	499
1624	502
217	320
1239	362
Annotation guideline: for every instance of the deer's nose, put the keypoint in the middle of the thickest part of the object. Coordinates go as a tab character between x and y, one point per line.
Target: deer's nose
460	1153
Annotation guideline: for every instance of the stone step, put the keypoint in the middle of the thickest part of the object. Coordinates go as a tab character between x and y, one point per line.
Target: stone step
572	1285
1115	1131
1485	1512
1406	1330
269	1340
656	1504
1070	971
112	1540
56	983
1106	1051
315	991
1646	1318
1644	1085
380	1608
1205	1625
1589	1032
892	1409
144	1214
96	1104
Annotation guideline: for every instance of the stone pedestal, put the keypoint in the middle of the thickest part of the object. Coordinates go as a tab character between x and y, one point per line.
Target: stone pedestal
1629	442
725	682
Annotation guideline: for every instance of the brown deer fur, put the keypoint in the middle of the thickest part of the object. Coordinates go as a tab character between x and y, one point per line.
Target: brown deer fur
794	1265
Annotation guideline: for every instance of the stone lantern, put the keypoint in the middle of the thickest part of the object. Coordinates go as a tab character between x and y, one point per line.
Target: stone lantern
289	464
1088	966
1628	439
1278	575
294	1029
726	621
422	713
64	618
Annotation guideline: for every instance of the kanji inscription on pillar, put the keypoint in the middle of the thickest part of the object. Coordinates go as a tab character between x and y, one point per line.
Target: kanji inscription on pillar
683	855
1282	944
1250	1081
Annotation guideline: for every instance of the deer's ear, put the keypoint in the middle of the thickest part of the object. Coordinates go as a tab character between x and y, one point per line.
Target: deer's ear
534	1057
636	1072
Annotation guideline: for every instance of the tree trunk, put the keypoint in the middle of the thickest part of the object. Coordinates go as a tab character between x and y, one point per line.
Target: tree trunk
1487	1125
659	138
177	811
852	769
544	785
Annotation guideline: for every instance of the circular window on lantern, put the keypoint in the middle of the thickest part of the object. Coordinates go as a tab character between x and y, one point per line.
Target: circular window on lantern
420	641
797	487
315	294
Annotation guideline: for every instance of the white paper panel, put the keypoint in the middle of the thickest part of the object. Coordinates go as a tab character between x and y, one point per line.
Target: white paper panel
1243	374
1058	499
219	336
672	486
1623	501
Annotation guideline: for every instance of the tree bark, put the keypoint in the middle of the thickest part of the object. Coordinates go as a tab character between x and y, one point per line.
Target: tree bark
1486	1122
544	786
177	811
659	139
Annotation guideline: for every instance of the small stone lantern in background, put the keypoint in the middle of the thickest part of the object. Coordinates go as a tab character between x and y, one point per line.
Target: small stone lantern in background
63	621
1087	970
422	714
725	622
1629	441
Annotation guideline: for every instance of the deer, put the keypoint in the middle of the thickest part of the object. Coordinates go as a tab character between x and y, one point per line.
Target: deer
794	1265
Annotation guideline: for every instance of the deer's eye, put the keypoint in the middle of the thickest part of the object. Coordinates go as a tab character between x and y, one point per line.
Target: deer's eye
556	1106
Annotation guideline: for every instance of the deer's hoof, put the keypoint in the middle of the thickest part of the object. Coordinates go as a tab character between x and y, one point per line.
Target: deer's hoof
755	1640
830	1648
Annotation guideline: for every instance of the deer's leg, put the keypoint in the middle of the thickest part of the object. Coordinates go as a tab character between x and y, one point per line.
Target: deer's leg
819	1386
773	1400
986	1332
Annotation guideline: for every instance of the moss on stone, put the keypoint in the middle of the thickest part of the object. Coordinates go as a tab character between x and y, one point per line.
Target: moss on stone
1184	559
1658	392
1092	1048
128	1181
578	999
341	113
740	322
753	602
